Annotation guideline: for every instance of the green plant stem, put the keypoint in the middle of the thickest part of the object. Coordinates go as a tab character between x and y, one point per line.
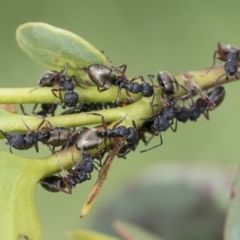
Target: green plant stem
137	111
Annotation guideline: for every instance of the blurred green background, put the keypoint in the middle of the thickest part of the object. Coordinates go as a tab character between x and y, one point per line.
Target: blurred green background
148	36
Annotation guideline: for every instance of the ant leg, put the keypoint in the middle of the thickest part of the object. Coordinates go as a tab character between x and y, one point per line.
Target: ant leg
36	147
119	95
99	164
103	119
101	90
132	99
221	53
43	121
138	77
51	186
62	169
151	103
218	79
206	114
73	79
23	111
3	133
55	77
118	122
10	148
29	130
175	127
34	108
50	148
124	68
214	62
161	142
55	95
69	188
64	71
134	124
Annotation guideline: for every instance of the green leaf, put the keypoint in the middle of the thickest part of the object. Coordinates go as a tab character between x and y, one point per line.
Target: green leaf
90	235
232	222
18	178
54	47
130	231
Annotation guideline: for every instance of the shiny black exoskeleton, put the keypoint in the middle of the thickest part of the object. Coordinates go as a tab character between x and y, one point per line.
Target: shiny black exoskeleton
125	149
163	119
71	98
59	184
86	165
134	87
54	78
201	106
55	136
78	174
168	83
46	108
104	77
23	141
216	95
48	79
231	56
89	139
129	134
49	135
14	140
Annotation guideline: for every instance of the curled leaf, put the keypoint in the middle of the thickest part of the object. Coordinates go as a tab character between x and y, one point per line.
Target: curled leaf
54	47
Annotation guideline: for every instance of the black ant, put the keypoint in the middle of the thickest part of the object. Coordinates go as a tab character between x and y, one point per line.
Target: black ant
158	123
104	77
46	108
230	55
169	86
55	136
71	98
201	106
89	139
53	78
50	136
78	174
59	184
23	141
167	83
129	134
163	119
125	149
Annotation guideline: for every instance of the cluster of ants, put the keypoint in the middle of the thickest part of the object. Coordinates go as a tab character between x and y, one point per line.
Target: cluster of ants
85	139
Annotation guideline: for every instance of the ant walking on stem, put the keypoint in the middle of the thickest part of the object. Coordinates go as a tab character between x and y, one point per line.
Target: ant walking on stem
231	56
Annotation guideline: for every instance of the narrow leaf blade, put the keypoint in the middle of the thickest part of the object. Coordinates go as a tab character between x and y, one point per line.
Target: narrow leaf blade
90	235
